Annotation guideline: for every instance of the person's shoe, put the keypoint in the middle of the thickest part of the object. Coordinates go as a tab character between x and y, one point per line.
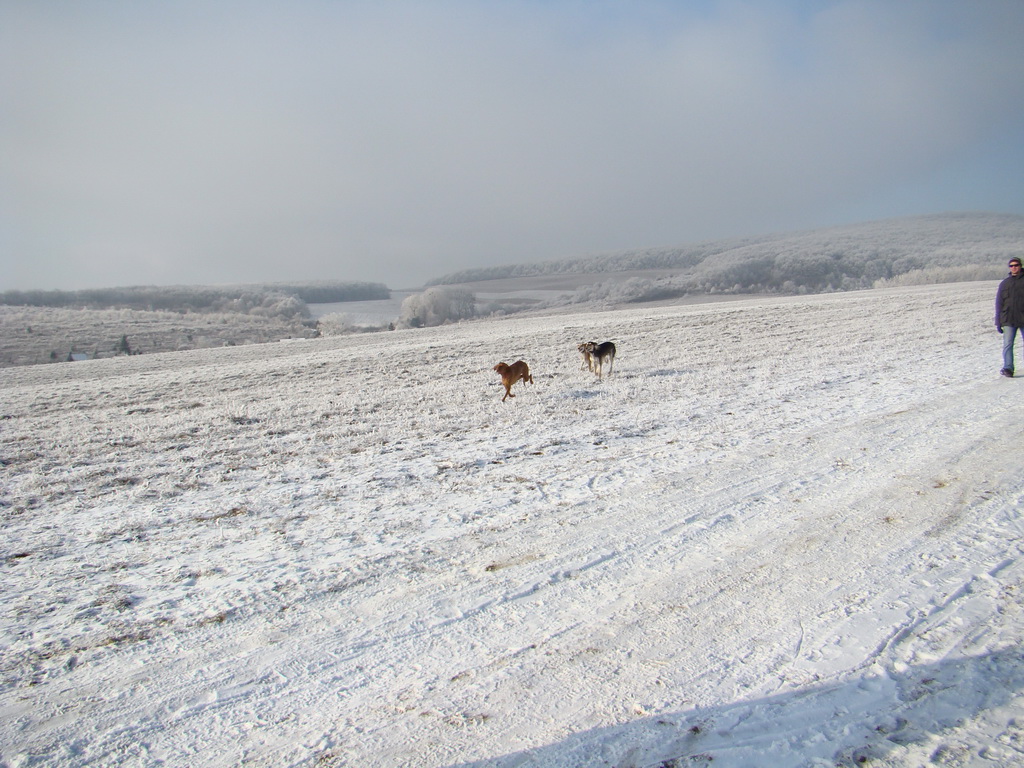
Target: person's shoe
1007	372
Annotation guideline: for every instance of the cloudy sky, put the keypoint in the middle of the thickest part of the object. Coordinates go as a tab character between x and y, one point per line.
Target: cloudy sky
159	143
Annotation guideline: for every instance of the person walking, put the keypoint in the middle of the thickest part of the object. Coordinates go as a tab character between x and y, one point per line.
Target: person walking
1010	312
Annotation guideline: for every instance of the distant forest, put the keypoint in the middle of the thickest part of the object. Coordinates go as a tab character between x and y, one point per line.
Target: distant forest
285	300
938	248
55	326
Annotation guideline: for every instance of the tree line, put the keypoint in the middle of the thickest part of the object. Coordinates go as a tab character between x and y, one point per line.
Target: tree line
834	259
271	299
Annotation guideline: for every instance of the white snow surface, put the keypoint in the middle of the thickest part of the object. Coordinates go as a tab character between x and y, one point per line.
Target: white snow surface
783	532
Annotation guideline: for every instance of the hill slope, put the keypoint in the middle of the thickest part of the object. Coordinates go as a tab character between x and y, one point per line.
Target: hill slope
783	532
836	258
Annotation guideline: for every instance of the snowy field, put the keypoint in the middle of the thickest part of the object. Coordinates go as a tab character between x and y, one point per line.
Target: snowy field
784	532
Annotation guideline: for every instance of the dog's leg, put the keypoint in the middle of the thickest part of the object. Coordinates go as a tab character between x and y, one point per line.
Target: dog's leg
588	358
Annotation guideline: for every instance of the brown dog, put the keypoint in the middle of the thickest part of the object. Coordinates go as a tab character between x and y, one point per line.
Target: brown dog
588	359
510	374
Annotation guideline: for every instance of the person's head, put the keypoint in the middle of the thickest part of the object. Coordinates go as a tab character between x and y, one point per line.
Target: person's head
1015	266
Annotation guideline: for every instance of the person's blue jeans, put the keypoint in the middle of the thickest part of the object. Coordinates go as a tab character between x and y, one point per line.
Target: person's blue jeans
1009	334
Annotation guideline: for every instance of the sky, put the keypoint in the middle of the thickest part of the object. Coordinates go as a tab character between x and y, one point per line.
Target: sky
208	143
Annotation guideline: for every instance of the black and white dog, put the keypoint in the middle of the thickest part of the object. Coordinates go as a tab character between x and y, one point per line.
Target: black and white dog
595	355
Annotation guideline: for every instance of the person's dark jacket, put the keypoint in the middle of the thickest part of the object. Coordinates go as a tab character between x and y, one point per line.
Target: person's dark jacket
1010	302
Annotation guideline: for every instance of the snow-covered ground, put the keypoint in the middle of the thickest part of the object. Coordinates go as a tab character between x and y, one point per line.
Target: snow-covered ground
784	532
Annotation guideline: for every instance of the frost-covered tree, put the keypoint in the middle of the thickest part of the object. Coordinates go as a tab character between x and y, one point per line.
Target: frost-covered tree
334	324
436	306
